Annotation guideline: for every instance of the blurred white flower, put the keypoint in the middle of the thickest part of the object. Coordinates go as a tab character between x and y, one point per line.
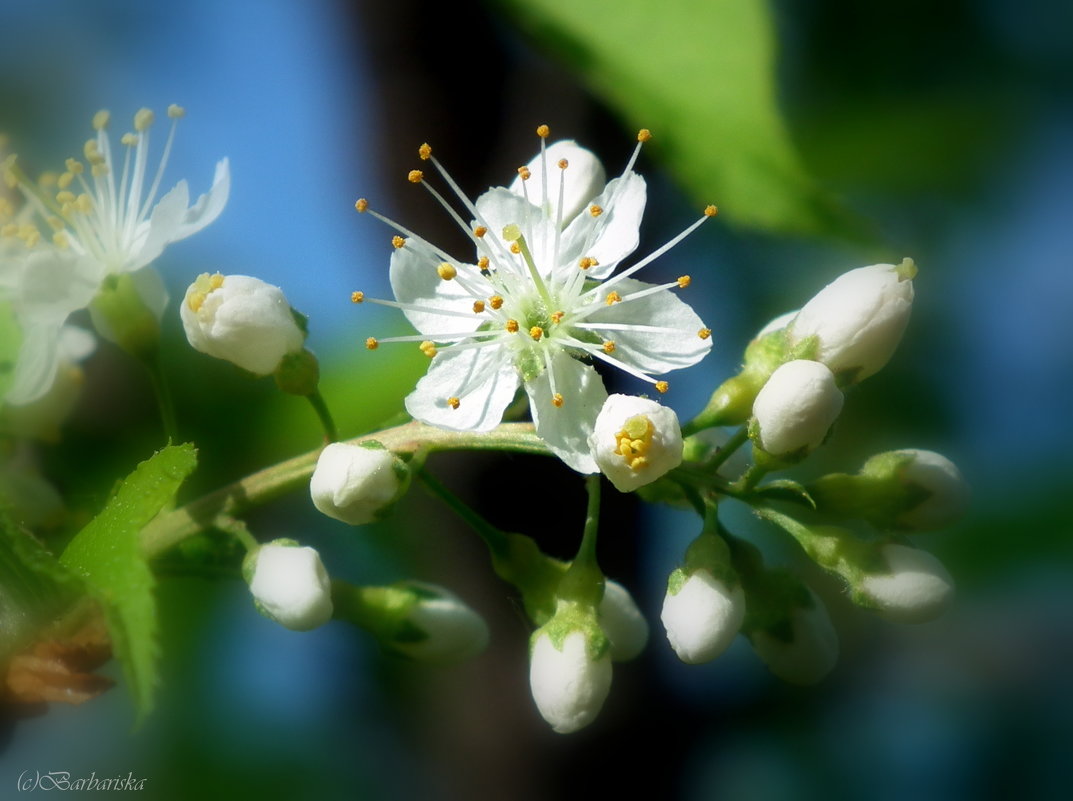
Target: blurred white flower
811	651
448	629
635	441
946	489
796	407
916	587
622	622
291	586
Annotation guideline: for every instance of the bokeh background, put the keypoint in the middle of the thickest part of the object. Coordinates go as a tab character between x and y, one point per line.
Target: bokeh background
861	133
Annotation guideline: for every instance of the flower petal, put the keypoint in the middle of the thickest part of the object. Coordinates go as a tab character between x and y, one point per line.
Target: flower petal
36	367
165	222
614	233
566	429
498	208
483	380
582	179
414	280
209	205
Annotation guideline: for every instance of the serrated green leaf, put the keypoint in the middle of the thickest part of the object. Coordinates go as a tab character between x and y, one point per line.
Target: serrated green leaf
107	553
701	75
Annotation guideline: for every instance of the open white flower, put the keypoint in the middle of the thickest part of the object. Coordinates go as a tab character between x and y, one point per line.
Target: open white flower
100	217
540	298
635	441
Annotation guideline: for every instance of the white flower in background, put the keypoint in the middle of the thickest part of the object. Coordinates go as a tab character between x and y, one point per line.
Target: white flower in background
622	622
796	407
916	587
947	491
859	318
353	483
452	631
541	297
809	654
568	685
242	320
291	586
702	617
635	441
98	218
43	416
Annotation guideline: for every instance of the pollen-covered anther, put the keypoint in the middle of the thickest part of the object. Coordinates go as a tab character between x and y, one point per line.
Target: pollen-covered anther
644	135
357	297
176	112
515	248
428	347
143	119
397	242
536	332
557	400
525	173
563	164
557	317
478	306
480	231
704	333
634	440
415	176
446	271
100	119
543	131
684	281
425	151
609	346
662	386
482	263
361	204
512	326
74	166
595	210
495	301
129	139
585	262
710	211
612	298
454	403
371	343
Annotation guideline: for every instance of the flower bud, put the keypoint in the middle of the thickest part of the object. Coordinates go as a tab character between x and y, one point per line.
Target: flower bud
795	408
622	622
858	319
242	320
569	681
803	648
353	483
946	494
916	587
290	585
701	614
439	627
635	441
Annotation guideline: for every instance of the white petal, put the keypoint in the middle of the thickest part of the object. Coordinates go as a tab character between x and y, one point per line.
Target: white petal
209	205
414	280
654	352
165	222
582	180
614	234
483	379
566	429
36	367
499	208
54	284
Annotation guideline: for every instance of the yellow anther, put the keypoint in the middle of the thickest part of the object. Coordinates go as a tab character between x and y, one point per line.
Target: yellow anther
512	326
361	204
90	151
557	400
64	180
143	119
634	440
557	317
536	332
74	166
512	233
204	284
684	281
425	151
99	170
397	241
371	343
644	135
428	347
524	173
357	297
128	139
563	164
480	231
584	263
446	271
710	211
704	333
48	180
415	176
543	131
175	112
612	298
65	196
454	403
482	263
595	210
478	306
55	223
59	239
515	248
495	301
84	204
609	346
662	386
100	119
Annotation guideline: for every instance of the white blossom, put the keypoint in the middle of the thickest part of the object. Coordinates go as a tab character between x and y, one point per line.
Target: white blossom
916	587
947	491
568	685
703	617
859	318
635	441
291	586
542	299
452	631
809	654
242	320
796	407
353	483
622	622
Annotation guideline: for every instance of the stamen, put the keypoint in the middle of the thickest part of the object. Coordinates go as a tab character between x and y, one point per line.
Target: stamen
644	135
428	347
372	343
683	281
543	131
143	119
609	346
525	173
128	139
480	231
482	263
361	204
662	386
357	297
704	333
536	332
496	301
415	176
478	306
595	210
557	400
563	164
710	211
397	242
100	120
512	326
425	151
176	112
453	402
446	271
612	298
557	317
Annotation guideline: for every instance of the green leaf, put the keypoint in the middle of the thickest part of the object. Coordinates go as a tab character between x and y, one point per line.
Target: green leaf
701	75
107	553
10	339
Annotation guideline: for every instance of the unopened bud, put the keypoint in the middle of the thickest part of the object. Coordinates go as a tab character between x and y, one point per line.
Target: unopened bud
569	680
914	589
439	627
702	615
635	441
622	622
290	585
795	409
354	483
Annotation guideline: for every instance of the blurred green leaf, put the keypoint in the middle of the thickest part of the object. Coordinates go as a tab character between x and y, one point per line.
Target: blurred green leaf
108	554
10	339
701	75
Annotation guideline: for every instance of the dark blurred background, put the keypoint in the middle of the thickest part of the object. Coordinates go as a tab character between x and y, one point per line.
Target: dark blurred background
940	131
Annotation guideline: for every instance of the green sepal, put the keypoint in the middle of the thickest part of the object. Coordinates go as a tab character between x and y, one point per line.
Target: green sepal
384	611
570	617
877	493
536	576
784	489
120	315
298	373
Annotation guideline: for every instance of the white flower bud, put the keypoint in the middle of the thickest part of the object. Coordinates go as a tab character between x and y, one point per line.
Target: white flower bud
916	588
242	320
353	483
635	441
453	631
811	652
568	686
583	179
859	318
948	493
291	586
796	407
622	622
703	617
779	323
